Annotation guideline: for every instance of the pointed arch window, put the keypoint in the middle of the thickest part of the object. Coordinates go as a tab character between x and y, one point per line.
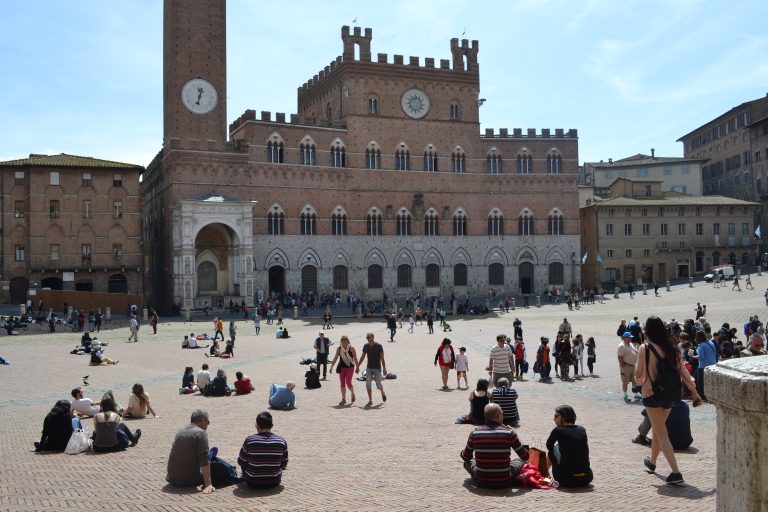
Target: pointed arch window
275	151
276	221
458	161
555	223
373	105
373	223
524	164
430	160
403	226
372	157
402	159
459	223
338	155
432	275
404	276
495	223
339	223
493	162
308	222
525	224
431	223
554	163
306	154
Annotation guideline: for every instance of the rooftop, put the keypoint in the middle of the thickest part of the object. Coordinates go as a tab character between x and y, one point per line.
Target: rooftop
641	159
65	160
675	200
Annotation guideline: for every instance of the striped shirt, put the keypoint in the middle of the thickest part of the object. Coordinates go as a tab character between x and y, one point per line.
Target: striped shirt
491	446
507	400
263	458
501	357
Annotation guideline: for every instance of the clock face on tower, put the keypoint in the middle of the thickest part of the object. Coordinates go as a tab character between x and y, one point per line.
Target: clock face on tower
199	96
415	103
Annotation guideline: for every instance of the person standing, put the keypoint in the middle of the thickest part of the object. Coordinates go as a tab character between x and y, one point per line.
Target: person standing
627	357
578	355
706	353
517	325
462	367
232	331
154	321
134	326
648	371
99	318
347	357
322	345
487	453
430	323
264	455
502	360
189	460
392	326
219	326
542	360
447	359
520	356
591	355
568	449
256	320
375	354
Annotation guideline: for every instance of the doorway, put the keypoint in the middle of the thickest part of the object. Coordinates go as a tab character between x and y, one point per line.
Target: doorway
526	277
277	279
309	279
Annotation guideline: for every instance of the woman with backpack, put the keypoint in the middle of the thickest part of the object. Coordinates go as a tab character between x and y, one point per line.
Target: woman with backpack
661	374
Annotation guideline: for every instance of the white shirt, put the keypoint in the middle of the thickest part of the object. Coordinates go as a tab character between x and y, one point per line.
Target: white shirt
191	342
85	407
462	363
203	378
501	359
628	353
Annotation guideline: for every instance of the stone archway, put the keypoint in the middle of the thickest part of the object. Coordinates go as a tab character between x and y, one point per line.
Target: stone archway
215	246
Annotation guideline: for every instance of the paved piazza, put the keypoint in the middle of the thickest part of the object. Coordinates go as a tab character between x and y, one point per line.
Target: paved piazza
402	455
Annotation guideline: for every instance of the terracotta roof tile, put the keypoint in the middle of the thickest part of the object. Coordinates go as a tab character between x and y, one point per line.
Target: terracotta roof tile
65	160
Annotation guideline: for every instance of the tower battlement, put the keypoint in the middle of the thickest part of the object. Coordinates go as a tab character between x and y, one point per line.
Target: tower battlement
530	133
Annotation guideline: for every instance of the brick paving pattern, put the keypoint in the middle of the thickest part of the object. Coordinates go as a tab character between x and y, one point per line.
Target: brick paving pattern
402	455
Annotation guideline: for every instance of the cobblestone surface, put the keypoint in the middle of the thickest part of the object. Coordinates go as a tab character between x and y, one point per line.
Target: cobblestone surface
402	455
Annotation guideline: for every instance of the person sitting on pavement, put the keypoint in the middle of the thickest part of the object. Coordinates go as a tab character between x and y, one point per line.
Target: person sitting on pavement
83	407
97	355
215	351
755	347
568	450
109	434
678	427
478	399
86	342
506	397
189	460
218	386
57	428
203	378
312	377
138	404
188	384
487	453
243	384
264	455
282	397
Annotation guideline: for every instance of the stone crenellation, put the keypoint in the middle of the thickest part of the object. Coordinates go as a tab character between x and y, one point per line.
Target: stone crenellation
530	133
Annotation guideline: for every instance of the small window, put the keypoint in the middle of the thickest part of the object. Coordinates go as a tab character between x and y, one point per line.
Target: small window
87	209
373	108
609	253
609	229
646	253
686	169
19	253
117	252
716	228
54	178
55	252
644	212
117	209
660	211
117	180
19	177
628	229
628	253
87	179
698	211
54	208
681	229
646	229
454	113
404	276
18	209
681	211
664	229
699	228
627	212
611	212
667	171
86	251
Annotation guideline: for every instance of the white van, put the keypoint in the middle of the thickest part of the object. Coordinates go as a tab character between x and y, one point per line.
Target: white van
726	272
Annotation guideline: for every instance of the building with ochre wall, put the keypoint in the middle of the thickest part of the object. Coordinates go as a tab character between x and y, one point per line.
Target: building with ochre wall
382	182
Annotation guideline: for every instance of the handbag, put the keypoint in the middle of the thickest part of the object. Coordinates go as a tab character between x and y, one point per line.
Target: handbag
537	367
538	459
79	442
524	367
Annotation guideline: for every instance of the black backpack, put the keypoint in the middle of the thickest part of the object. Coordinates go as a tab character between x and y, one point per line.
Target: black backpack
223	473
668	387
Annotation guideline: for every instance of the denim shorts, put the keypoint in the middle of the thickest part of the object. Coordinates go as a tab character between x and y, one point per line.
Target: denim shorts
654	402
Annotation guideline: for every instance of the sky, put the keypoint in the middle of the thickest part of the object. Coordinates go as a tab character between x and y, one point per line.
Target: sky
85	77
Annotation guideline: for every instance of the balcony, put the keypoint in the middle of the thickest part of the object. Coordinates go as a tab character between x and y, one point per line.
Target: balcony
687	243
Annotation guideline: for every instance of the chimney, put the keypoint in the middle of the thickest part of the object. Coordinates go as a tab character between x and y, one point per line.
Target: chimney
610	160
653	153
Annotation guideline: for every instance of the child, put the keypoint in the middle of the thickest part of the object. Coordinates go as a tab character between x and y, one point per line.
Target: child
410	324
256	321
243	384
462	367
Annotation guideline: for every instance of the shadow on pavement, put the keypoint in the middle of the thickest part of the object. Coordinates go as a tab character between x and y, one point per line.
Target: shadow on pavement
482	491
684	491
243	491
171	489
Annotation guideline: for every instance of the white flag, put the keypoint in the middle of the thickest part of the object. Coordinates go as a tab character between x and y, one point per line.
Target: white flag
599	259
758	232
584	258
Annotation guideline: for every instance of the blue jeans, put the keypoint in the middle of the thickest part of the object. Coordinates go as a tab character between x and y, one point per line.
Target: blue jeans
545	369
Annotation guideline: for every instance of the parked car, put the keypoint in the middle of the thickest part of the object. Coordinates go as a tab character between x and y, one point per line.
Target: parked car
726	272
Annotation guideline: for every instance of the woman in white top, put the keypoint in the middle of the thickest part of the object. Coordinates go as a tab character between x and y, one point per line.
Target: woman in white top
138	404
347	358
578	355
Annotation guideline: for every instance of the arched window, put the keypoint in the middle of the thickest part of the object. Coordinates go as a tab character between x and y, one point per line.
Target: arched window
430	160
339	222
338	154
372	156
307	152
373	223
460	275
493	162
496	274
458	160
524	163
454	112
431	223
375	278
275	150
459	223
403	223
555	222
402	158
276	221
373	105
308	221
554	163
556	273
433	275
340	281
525	223
495	223
404	276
